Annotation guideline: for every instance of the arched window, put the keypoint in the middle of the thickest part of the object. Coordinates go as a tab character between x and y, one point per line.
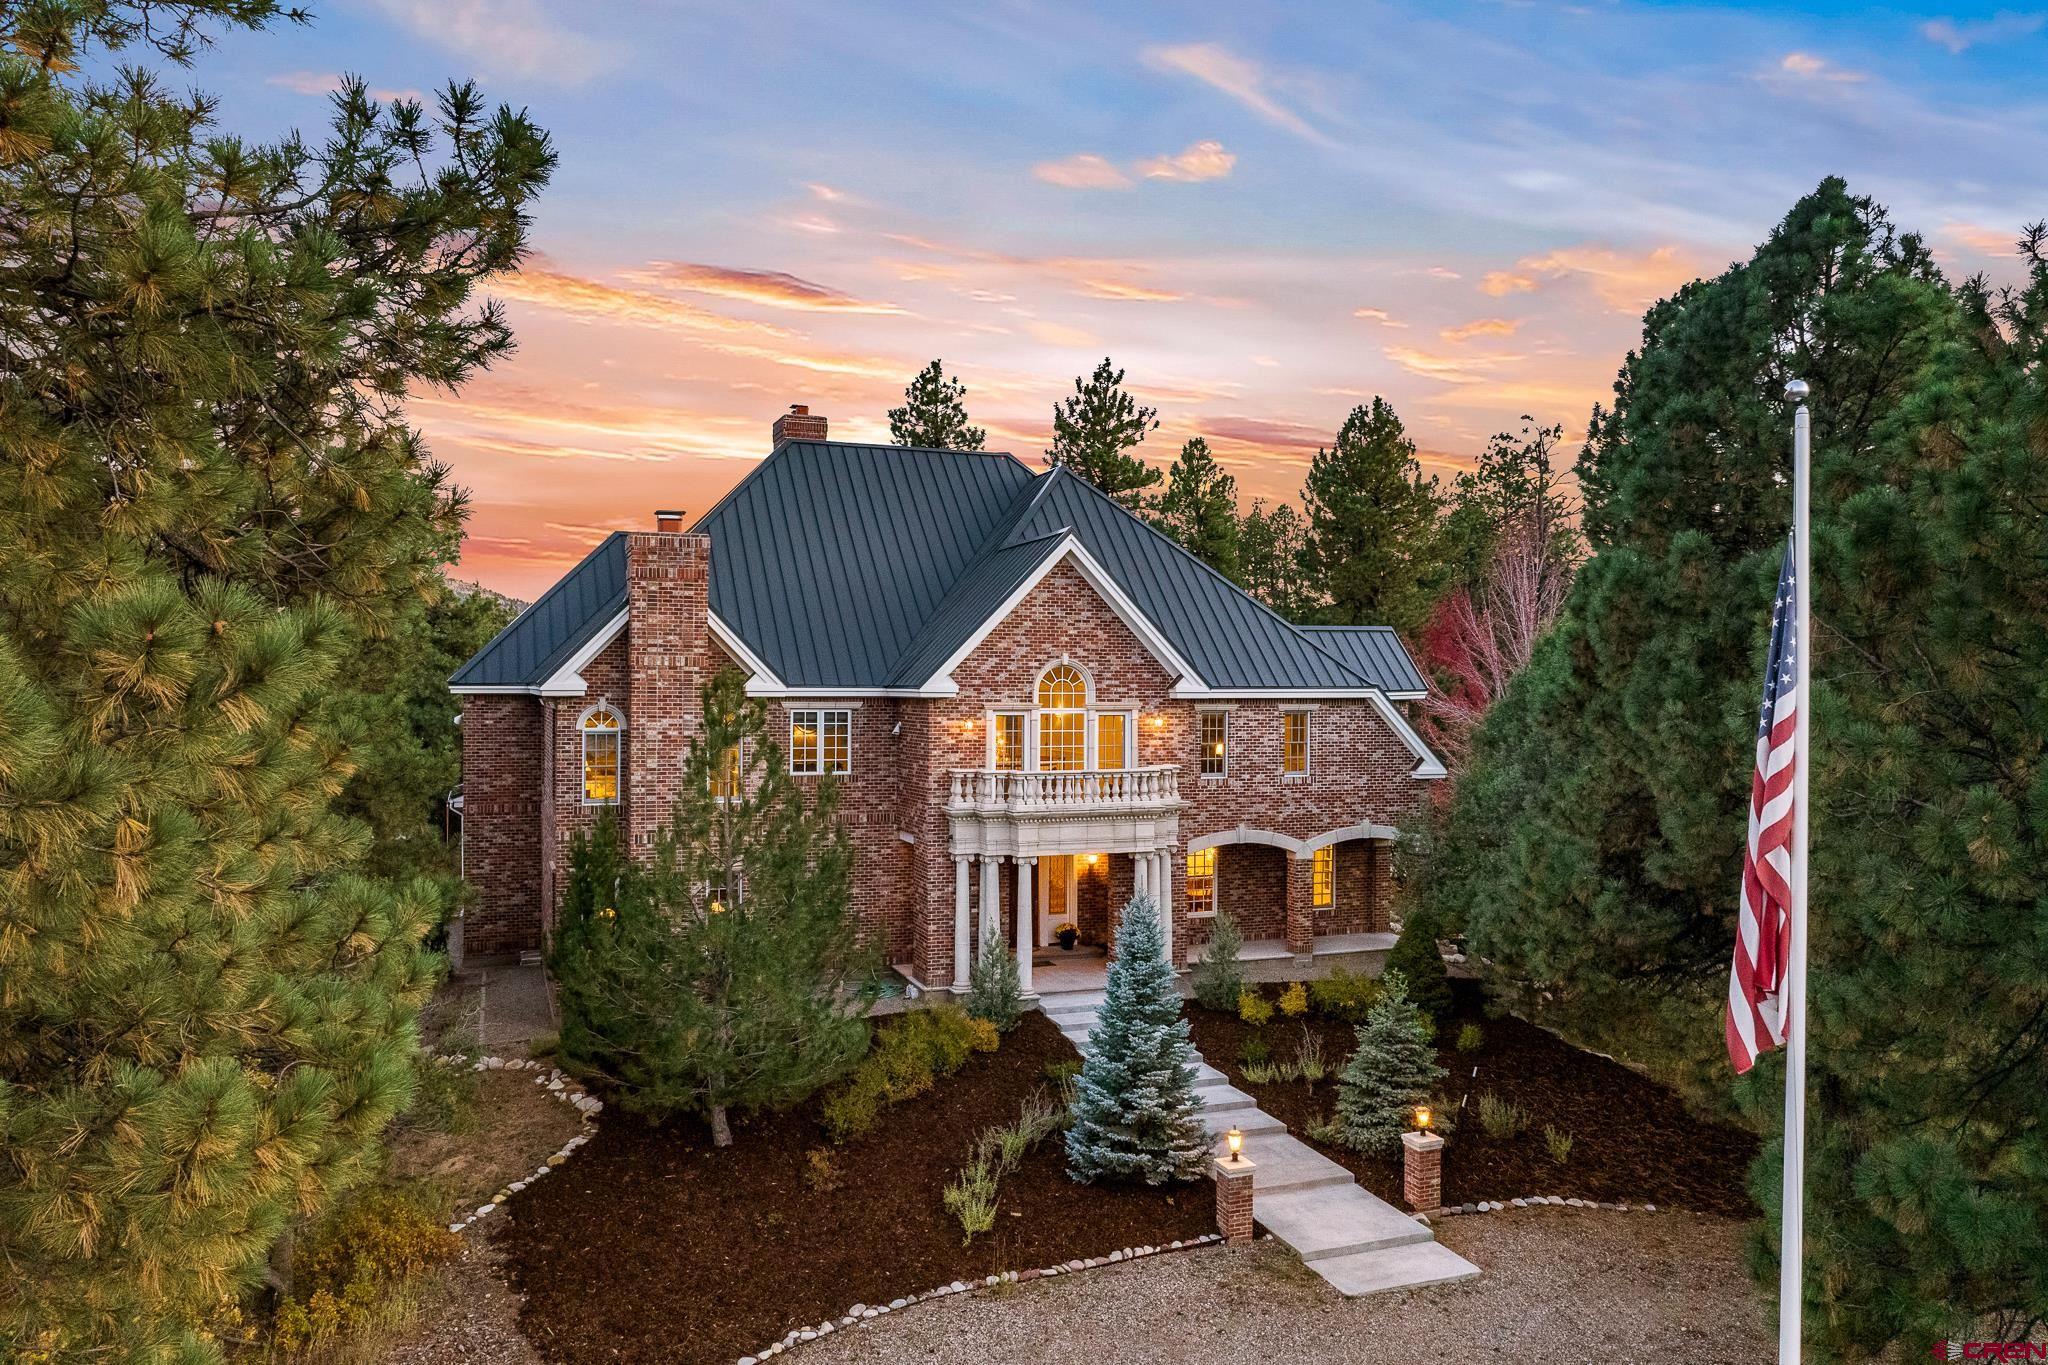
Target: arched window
1062	719
601	727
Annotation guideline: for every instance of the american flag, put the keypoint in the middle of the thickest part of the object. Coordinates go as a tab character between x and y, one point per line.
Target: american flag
1756	985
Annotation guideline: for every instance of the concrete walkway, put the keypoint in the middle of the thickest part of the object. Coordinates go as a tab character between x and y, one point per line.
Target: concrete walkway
1358	1242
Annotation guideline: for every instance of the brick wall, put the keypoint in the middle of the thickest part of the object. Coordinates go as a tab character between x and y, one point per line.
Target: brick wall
501	823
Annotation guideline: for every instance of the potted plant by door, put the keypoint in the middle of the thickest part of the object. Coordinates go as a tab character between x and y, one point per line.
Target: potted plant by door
1068	936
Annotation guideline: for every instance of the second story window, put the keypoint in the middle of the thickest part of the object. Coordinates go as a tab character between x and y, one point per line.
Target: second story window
1294	743
726	778
820	742
1006	734
1110	729
1062	719
601	728
1202	882
1322	881
1215	743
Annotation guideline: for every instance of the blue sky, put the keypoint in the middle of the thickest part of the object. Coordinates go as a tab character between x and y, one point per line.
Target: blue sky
1266	213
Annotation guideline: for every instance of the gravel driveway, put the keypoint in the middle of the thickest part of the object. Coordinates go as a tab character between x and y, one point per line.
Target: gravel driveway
1560	1285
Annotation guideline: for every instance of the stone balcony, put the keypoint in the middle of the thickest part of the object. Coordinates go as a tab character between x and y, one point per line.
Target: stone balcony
989	791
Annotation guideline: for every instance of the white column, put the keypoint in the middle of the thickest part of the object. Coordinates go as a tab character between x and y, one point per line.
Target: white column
991	899
1166	901
1024	918
1141	871
960	932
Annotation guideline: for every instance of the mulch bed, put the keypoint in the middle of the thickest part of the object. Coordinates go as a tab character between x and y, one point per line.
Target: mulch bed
651	1245
1632	1139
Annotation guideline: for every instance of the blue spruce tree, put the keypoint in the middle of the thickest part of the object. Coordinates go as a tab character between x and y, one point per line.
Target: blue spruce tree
1135	1111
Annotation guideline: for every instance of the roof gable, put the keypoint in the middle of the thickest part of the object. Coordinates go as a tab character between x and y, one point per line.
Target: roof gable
544	637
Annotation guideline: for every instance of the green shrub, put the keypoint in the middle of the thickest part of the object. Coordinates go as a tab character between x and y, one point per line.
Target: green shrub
993	990
1501	1119
1218	979
1470	1039
358	1265
1256	1051
1253	1008
1415	955
1326	1130
1259	1073
1344	996
1294	1000
1062	1072
906	1060
1558	1143
971	1197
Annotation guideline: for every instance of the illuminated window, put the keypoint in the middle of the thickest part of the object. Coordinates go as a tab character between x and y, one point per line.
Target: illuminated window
820	741
1215	743
1202	882
726	779
1062	720
601	757
1008	731
1110	728
1322	882
721	895
1294	742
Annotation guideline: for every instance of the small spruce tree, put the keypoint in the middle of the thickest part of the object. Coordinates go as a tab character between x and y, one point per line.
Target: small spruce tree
1392	1071
1135	1113
1421	964
1219	976
993	991
934	414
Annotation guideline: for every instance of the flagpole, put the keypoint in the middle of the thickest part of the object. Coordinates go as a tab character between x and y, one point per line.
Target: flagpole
1792	1231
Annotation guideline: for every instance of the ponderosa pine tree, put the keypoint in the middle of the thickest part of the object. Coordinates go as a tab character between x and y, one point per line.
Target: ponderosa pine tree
1199	509
209	497
1370	552
934	414
1269	548
1095	431
1135	1115
1595	841
727	975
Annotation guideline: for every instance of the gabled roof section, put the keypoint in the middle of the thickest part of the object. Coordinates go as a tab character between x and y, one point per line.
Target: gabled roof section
544	637
1376	652
831	560
980	593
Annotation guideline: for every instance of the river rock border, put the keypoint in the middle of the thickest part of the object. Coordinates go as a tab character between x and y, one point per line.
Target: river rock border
862	1312
1539	1201
560	1085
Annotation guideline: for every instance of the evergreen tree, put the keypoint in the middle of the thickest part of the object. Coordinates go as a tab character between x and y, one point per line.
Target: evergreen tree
1199	509
934	414
994	992
1392	1070
1516	492
1420	962
1135	1112
1269	550
1370	555
727	976
210	498
1218	979
1595	841
1095	431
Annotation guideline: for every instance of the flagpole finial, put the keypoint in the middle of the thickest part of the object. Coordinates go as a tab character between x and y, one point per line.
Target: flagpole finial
1796	390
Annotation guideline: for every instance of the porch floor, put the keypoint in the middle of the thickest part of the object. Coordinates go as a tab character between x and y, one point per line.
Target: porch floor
1326	945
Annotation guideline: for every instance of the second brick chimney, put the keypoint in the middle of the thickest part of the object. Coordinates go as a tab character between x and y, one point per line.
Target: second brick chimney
799	425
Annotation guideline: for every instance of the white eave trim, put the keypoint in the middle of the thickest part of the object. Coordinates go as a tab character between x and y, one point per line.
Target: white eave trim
941	683
568	679
761	679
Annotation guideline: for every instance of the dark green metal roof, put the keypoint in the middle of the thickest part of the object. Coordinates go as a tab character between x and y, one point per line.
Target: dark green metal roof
869	566
1375	651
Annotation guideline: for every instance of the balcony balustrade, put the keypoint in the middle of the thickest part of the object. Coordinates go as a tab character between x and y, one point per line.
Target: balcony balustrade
989	791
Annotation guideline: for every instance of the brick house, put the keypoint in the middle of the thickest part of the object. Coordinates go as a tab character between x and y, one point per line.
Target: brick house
1031	697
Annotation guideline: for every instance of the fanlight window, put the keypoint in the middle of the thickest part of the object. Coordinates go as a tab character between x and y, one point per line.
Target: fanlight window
1062	719
601	757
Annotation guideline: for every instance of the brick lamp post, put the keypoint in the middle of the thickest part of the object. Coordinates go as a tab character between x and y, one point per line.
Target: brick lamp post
1233	1174
1422	1165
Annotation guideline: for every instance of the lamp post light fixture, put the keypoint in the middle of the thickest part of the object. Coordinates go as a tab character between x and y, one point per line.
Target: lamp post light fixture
1235	1140
1423	1118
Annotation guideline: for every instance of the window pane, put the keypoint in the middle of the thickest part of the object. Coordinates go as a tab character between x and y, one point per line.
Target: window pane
601	764
1010	741
1295	759
1215	739
1109	741
1202	881
803	741
1323	882
725	780
1062	741
838	740
1062	686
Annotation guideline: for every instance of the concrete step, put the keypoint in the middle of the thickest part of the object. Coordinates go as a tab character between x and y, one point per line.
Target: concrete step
1402	1267
1246	1121
1221	1097
1060	1000
1286	1163
1340	1220
1208	1075
1061	1013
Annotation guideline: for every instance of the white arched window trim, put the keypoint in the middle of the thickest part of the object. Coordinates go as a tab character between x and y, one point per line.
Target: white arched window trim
603	753
1029	724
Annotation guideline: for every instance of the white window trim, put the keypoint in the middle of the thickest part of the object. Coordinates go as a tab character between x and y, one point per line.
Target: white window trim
1215	884
1202	748
583	752
1095	713
1024	736
818	725
1308	743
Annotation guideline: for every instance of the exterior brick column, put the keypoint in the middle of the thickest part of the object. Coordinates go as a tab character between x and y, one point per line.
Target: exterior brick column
1233	1198
1379	884
668	652
1301	923
1422	1171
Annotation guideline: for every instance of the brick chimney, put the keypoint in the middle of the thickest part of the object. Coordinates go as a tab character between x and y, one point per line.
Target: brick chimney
798	425
668	657
668	522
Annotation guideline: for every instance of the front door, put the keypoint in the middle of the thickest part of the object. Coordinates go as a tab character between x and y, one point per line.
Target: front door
1055	895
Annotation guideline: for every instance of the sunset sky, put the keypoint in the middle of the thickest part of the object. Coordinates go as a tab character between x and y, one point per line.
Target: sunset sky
1267	213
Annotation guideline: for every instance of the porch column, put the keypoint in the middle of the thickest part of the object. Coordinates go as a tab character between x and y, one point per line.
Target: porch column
1141	874
1166	902
960	931
991	899
1024	918
1301	924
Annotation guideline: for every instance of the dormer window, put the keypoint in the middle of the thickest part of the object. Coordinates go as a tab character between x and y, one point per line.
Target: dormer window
601	726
